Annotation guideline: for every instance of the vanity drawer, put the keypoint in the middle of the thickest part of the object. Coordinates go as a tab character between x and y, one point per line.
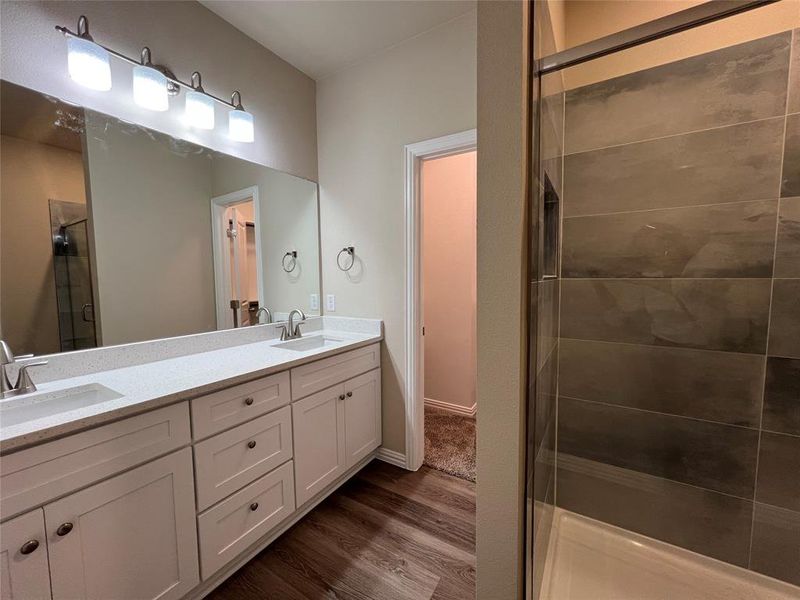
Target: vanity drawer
224	409
233	525
34	476
233	459
316	376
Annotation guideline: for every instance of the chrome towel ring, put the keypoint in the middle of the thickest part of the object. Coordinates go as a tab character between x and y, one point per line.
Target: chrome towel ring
349	250
292	255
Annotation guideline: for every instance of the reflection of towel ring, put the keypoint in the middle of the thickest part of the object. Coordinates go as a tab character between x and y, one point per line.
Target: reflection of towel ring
346	250
292	255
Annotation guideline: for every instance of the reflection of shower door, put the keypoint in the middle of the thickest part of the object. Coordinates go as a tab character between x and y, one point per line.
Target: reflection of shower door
74	288
237	242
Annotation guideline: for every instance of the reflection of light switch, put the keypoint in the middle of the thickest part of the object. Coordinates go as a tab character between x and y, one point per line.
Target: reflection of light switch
314	302
330	302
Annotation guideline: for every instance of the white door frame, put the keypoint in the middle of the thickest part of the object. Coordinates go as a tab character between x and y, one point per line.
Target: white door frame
447	145
219	205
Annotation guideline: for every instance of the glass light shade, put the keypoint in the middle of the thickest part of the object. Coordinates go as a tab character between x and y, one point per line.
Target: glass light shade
240	126
88	64
199	110
150	88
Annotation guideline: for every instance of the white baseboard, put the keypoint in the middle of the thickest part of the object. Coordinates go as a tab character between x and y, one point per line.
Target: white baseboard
392	457
453	408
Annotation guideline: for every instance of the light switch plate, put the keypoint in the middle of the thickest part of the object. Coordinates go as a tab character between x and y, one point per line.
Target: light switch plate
313	302
330	302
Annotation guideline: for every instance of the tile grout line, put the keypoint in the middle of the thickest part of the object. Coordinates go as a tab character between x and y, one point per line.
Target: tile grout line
561	337
673	278
769	310
666	208
673	135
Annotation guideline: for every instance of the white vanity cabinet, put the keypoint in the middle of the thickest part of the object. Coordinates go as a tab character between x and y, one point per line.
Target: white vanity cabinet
24	573
131	537
333	430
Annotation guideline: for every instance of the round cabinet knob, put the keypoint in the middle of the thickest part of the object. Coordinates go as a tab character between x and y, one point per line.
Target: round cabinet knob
341	397
254	506
64	529
29	546
349	394
248	401
251	444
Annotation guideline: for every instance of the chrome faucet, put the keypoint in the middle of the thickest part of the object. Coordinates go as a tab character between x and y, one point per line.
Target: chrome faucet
292	331
263	309
24	384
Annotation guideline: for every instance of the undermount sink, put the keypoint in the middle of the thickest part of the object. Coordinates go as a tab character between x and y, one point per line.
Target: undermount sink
309	343
21	409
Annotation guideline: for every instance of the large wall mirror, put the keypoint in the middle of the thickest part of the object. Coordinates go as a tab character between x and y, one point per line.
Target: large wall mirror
113	233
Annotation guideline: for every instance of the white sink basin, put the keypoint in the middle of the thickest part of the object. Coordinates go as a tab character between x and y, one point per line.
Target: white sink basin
21	409
313	342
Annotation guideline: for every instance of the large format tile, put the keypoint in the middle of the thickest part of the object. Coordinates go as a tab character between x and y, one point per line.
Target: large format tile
784	329
716	386
701	520
547	333
729	164
709	455
740	83
776	543
787	254
794	75
712	314
779	470
790	185
723	240
782	396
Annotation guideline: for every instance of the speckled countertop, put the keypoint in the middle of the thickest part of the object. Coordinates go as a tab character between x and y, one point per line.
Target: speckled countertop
154	384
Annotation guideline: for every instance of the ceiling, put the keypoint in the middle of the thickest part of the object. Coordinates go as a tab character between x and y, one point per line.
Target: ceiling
320	37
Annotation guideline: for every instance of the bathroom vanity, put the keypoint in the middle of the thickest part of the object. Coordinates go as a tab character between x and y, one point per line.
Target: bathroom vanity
166	476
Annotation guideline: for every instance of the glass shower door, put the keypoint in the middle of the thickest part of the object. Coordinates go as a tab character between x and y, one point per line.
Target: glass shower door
74	285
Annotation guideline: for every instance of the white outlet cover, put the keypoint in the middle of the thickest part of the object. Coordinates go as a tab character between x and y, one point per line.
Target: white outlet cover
314	302
330	302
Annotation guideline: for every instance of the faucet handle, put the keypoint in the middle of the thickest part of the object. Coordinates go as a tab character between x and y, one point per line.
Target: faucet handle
24	382
6	355
284	332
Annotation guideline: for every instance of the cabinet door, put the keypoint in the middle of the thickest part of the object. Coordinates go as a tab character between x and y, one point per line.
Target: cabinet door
362	416
318	441
130	537
23	558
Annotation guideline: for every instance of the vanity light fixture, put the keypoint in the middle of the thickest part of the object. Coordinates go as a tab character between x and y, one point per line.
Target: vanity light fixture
150	85
240	122
199	106
88	64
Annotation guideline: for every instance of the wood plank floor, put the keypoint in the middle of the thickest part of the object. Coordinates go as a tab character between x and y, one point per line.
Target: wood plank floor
386	534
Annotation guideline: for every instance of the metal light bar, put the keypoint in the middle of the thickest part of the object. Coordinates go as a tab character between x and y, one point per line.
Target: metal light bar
708	12
170	77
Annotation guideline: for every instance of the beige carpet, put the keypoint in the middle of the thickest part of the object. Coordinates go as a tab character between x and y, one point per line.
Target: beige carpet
450	443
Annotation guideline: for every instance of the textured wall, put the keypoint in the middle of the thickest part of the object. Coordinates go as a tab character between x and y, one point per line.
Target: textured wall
680	320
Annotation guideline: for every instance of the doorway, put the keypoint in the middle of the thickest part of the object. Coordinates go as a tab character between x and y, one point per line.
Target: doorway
238	271
441	299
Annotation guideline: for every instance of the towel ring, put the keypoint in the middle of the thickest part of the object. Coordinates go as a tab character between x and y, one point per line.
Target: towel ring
349	250
293	256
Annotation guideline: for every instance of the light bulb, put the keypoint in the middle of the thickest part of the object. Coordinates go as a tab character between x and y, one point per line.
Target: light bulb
150	88
199	110
240	126
88	64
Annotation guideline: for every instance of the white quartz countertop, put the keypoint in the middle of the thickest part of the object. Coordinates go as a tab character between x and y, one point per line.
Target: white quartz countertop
154	384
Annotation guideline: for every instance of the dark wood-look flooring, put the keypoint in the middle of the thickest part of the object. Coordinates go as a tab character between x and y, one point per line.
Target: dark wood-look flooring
386	534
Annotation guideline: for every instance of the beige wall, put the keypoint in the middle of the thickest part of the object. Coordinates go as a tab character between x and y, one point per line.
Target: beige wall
186	37
151	217
585	20
420	89
501	319
30	175
448	286
289	221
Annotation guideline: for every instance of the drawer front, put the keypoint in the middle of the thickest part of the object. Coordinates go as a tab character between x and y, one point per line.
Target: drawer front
316	376
227	408
34	476
233	459
232	525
